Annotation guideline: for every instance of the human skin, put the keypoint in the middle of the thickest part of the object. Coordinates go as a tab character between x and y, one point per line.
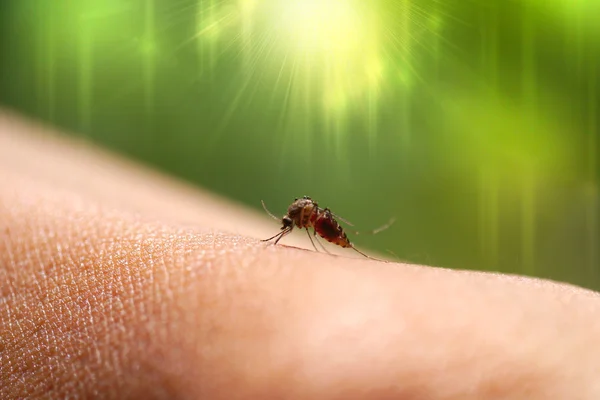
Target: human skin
116	282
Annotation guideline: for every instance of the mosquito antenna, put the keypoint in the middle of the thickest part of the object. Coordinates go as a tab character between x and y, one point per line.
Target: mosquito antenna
269	212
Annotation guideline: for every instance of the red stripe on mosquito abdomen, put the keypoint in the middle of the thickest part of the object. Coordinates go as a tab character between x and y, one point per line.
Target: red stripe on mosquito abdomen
330	230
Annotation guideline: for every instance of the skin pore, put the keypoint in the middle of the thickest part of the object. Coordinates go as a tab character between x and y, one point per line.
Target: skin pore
116	282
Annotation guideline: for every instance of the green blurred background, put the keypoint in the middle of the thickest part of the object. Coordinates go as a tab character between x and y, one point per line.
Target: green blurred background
474	122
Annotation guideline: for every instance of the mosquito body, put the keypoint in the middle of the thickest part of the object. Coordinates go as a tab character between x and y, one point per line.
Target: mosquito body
305	213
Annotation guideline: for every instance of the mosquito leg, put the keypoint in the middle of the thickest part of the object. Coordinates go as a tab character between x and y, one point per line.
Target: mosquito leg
320	244
360	252
369	257
311	240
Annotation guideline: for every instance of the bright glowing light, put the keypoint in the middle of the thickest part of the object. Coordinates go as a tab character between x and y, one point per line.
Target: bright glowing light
374	71
323	59
333	46
322	25
247	6
212	22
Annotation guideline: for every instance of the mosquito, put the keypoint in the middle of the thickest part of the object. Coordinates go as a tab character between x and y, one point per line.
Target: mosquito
306	213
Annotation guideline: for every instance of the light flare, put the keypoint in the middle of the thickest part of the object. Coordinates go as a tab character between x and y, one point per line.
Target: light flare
324	59
322	26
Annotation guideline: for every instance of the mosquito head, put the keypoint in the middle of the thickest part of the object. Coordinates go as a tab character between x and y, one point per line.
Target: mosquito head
287	222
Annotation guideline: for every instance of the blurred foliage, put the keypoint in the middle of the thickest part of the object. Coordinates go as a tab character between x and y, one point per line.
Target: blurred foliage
474	122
